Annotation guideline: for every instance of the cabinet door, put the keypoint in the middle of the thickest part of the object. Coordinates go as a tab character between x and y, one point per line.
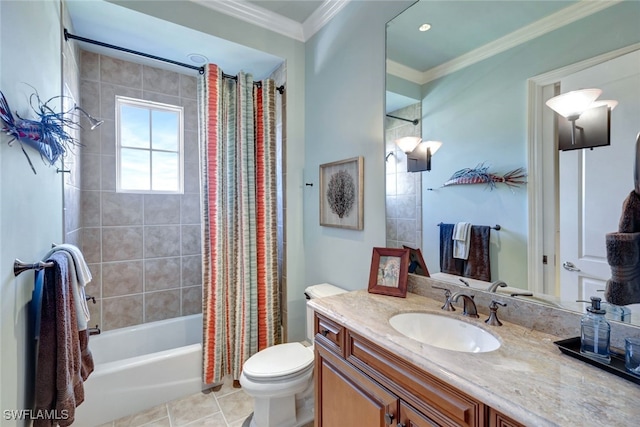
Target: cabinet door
409	417
346	397
496	419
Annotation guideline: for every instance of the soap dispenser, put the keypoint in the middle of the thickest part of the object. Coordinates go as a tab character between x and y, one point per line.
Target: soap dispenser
595	332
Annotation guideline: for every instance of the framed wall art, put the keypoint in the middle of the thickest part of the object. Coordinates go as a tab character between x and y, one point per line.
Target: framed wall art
342	194
389	271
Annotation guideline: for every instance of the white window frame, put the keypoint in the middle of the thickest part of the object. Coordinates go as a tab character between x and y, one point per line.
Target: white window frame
153	106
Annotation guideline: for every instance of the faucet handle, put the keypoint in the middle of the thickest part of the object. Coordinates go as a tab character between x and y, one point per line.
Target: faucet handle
447	303
493	315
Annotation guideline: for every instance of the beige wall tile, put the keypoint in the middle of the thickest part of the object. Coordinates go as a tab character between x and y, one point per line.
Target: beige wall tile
121	243
89	65
90	172
121	278
90	208
161	241
191	270
191	237
121	209
161	273
161	209
158	80
191	300
120	72
161	305
119	312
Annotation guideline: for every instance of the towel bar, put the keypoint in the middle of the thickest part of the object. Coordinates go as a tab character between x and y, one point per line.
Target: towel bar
19	266
497	226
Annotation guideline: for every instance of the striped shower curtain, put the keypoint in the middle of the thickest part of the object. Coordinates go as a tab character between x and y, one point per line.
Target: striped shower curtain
241	312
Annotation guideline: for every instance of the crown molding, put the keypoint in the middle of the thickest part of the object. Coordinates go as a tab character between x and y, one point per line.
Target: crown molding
256	15
321	16
407	73
529	32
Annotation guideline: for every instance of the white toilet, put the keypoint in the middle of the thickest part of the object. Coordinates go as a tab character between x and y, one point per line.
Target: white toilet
280	378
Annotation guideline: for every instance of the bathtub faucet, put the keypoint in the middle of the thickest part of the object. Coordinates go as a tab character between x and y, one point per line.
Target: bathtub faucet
94	331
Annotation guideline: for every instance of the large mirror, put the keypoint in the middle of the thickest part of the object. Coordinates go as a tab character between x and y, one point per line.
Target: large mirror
477	81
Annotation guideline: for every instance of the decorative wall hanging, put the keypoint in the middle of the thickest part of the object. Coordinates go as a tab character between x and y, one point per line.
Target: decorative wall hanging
481	175
48	135
389	270
341	194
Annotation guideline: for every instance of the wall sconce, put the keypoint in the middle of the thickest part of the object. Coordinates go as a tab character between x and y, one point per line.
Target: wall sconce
585	122
418	152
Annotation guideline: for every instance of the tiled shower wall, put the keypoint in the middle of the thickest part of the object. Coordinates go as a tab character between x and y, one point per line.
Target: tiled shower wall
403	189
143	249
72	160
280	78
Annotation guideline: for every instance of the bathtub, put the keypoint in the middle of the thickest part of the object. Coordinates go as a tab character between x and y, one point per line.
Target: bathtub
141	366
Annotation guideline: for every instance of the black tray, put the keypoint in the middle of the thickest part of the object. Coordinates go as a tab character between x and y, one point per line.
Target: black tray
571	347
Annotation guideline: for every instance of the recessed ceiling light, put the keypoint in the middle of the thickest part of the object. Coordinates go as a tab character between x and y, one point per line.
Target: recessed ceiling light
197	58
424	27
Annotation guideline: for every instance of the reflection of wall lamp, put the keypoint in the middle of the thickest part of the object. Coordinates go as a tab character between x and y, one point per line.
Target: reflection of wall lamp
585	122
418	152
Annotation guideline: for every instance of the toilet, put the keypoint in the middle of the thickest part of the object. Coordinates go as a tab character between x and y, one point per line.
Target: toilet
280	378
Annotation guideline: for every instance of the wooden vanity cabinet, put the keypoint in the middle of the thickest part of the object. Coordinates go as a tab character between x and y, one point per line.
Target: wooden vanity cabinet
358	383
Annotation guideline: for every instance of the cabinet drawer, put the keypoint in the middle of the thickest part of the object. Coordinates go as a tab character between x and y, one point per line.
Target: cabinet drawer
329	333
432	397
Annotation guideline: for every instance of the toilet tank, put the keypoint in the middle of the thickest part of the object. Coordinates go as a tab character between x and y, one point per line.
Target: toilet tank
318	291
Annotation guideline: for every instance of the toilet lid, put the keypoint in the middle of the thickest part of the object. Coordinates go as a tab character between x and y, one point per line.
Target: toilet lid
278	360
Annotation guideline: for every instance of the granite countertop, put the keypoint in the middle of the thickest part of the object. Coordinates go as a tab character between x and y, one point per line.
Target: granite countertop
527	378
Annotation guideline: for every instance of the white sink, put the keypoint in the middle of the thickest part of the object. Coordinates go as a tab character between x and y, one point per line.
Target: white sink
444	332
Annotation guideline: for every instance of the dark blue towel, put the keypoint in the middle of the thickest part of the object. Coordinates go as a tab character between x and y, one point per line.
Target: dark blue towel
449	264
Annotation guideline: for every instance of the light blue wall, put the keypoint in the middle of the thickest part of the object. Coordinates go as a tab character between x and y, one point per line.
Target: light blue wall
480	115
30	205
344	105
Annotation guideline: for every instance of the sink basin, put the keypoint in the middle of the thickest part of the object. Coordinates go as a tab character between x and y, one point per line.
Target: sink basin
444	332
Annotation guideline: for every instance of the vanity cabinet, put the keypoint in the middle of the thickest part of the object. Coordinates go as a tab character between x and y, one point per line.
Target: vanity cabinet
357	382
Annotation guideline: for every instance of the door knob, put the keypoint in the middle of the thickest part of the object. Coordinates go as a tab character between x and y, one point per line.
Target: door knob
570	266
388	418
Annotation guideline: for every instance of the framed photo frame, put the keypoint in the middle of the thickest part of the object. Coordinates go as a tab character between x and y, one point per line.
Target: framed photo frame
416	262
342	194
389	271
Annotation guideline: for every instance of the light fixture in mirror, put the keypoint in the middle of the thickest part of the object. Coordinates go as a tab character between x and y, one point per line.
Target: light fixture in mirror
420	158
408	143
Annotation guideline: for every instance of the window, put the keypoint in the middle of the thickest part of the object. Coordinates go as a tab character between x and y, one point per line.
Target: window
149	144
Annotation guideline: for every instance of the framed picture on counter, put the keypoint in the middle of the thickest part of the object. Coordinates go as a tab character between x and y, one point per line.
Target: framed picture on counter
389	271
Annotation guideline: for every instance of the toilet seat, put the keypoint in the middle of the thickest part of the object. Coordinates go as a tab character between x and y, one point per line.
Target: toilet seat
279	362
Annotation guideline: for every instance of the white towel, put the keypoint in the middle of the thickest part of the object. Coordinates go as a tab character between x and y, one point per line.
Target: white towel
80	276
461	237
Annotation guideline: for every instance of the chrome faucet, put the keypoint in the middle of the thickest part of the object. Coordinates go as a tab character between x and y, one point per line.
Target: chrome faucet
469	306
494	286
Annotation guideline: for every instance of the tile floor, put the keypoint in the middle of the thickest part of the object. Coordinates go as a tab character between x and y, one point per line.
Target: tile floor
227	407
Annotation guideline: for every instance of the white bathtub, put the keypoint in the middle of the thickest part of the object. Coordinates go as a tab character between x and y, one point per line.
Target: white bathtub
141	366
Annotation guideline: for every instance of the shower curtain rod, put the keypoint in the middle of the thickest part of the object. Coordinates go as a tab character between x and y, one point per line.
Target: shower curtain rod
414	121
68	35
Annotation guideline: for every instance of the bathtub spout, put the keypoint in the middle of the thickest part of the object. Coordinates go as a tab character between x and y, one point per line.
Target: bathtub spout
94	331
